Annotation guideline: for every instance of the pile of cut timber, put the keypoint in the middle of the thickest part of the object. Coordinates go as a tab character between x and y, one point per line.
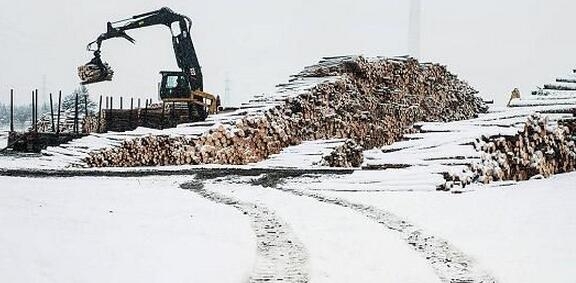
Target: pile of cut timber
155	116
370	100
537	150
91	124
350	154
119	120
44	124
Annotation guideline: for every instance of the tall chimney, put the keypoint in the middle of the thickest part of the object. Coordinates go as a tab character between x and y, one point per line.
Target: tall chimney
414	29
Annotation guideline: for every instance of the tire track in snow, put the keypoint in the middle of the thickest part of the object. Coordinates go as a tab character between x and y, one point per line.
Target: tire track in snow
280	256
450	264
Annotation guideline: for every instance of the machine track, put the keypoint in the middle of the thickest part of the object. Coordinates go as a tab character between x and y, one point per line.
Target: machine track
449	263
280	256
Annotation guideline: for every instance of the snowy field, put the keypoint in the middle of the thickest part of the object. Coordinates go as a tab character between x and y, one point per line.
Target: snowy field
232	229
519	233
118	230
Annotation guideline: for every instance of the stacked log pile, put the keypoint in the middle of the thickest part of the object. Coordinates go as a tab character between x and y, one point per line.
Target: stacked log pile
559	87
371	101
91	124
537	150
86	124
571	124
349	154
119	120
153	116
170	116
44	123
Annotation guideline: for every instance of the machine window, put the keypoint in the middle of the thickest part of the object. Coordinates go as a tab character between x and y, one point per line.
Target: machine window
171	81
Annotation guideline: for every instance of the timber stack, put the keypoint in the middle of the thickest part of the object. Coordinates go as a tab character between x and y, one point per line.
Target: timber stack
119	120
66	124
155	116
372	101
537	150
91	124
349	154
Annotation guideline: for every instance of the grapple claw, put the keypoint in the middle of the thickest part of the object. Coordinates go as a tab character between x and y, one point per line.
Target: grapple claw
95	71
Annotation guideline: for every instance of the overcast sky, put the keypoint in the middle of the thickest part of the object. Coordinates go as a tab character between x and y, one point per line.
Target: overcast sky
256	44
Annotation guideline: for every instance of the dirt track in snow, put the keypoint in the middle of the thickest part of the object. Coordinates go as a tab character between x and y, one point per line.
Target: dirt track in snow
449	263
280	256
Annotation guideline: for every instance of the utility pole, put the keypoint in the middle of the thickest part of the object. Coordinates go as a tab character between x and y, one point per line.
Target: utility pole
414	29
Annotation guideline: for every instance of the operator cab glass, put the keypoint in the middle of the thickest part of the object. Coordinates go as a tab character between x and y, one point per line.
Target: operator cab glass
171	82
174	85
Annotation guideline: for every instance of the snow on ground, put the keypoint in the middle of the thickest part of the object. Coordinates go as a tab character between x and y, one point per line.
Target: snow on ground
308	154
118	230
342	246
88	229
520	233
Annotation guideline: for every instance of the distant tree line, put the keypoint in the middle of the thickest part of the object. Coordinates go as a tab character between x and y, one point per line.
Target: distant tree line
23	113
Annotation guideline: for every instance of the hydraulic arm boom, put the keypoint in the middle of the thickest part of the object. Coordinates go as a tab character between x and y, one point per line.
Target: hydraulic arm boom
182	43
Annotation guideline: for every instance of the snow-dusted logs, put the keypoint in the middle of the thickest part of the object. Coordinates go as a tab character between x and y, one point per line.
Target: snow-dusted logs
154	116
537	150
90	124
66	124
559	87
120	120
348	154
372	101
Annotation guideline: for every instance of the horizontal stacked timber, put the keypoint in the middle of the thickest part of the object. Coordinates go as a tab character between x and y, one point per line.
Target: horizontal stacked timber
559	87
172	115
566	80
369	100
66	123
537	150
35	141
90	124
349	154
120	120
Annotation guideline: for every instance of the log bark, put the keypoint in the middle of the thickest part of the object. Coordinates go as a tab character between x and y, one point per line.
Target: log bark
539	150
372	101
349	154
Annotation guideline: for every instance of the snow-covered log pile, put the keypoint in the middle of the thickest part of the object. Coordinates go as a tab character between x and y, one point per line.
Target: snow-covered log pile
86	124
537	150
120	120
372	101
349	154
90	124
66	124
153	116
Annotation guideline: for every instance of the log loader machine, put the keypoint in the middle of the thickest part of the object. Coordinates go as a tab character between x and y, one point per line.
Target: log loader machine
184	86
